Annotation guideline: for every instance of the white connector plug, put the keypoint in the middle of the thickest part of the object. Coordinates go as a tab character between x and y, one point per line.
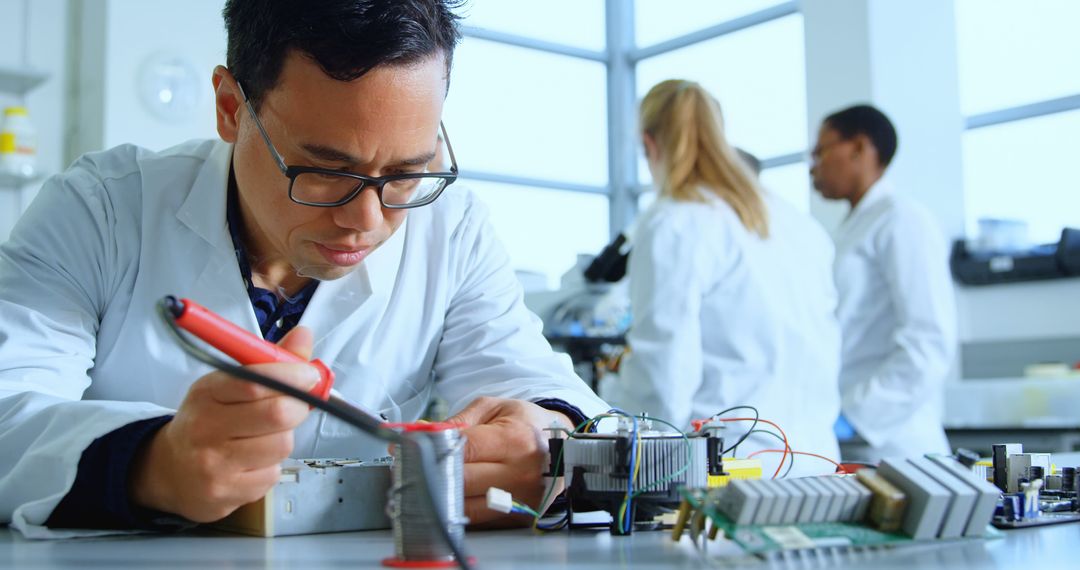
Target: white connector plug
499	500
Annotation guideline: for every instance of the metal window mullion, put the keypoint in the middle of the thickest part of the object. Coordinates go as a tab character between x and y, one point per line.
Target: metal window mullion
712	32
783	160
622	115
532	43
1021	112
533	182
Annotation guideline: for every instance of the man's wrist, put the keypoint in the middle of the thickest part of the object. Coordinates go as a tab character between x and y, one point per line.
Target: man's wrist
572	415
99	497
144	485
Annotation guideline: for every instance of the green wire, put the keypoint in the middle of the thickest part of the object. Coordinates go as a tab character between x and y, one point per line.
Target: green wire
551	488
667	479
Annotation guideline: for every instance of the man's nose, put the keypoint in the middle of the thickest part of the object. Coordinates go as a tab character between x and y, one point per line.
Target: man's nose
363	213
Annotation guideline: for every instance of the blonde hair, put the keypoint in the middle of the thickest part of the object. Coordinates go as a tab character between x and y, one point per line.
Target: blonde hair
688	127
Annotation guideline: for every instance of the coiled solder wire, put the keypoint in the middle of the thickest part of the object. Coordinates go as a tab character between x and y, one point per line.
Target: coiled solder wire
416	538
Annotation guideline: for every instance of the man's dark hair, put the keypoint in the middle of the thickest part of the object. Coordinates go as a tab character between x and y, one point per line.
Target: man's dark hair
347	38
869	121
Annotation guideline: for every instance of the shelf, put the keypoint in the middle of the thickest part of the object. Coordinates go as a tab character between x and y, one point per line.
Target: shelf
19	80
10	181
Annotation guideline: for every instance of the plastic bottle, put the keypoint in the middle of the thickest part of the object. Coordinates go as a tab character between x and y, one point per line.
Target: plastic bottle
18	144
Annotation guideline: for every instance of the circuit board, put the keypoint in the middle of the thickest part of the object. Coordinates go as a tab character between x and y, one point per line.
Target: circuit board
1042	520
766	541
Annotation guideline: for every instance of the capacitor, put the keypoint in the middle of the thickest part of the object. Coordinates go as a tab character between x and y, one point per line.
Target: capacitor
1011	509
1036	472
1068	479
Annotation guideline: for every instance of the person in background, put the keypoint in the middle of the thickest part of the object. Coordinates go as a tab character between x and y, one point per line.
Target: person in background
896	309
730	289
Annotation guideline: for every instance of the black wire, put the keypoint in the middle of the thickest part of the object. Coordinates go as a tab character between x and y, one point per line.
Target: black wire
359	420
757	416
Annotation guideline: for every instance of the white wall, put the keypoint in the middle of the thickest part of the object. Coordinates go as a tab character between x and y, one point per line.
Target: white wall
46	37
900	57
126	35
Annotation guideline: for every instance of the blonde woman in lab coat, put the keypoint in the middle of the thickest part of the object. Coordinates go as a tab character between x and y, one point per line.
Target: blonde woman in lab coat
731	292
896	297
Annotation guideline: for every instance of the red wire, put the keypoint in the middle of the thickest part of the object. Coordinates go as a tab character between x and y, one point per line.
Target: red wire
838	466
787	446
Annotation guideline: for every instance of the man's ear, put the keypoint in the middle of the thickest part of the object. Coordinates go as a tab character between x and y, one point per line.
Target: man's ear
228	102
864	148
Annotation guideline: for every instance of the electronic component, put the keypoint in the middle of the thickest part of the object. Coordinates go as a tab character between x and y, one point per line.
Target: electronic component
735	469
947	501
888	504
499	500
1017	465
821	510
1035	494
794	503
1068	479
810	497
599	469
316	496
961	504
740	501
927	500
768	499
864	496
986	494
1001	453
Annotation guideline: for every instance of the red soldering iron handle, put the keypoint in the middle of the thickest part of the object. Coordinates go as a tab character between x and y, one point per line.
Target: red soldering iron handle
244	347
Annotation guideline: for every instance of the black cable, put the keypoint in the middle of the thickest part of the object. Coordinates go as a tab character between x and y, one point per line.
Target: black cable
363	422
757	416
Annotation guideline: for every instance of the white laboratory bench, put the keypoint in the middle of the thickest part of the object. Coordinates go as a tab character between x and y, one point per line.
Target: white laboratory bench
513	549
521	550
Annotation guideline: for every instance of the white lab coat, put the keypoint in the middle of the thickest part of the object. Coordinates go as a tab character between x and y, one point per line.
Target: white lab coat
82	351
724	318
898	318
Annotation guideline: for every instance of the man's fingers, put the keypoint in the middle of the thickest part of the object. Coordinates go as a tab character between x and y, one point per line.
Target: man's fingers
250	486
257	453
500	442
263	417
226	389
481	476
478	411
485	443
299	341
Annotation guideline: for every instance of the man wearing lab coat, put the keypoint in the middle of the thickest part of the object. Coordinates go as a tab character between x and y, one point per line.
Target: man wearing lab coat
298	220
896	308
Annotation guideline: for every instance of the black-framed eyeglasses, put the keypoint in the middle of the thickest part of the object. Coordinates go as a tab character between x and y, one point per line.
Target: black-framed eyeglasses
325	188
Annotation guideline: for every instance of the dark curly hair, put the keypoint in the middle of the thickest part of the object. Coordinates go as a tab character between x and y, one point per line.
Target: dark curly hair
869	121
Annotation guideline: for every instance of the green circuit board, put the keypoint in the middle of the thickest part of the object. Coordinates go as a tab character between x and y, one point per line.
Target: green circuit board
768	540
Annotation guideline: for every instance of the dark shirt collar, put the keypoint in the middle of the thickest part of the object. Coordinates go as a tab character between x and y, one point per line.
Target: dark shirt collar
276	315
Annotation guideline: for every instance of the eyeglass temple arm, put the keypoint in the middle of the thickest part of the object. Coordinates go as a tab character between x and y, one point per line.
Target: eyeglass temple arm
262	131
449	149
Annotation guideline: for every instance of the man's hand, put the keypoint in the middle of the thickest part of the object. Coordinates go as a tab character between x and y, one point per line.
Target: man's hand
223	448
505	448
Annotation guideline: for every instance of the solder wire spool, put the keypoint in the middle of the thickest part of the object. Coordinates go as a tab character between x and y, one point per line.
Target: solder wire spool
417	542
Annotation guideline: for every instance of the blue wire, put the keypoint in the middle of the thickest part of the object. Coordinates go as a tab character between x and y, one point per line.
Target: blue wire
627	518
